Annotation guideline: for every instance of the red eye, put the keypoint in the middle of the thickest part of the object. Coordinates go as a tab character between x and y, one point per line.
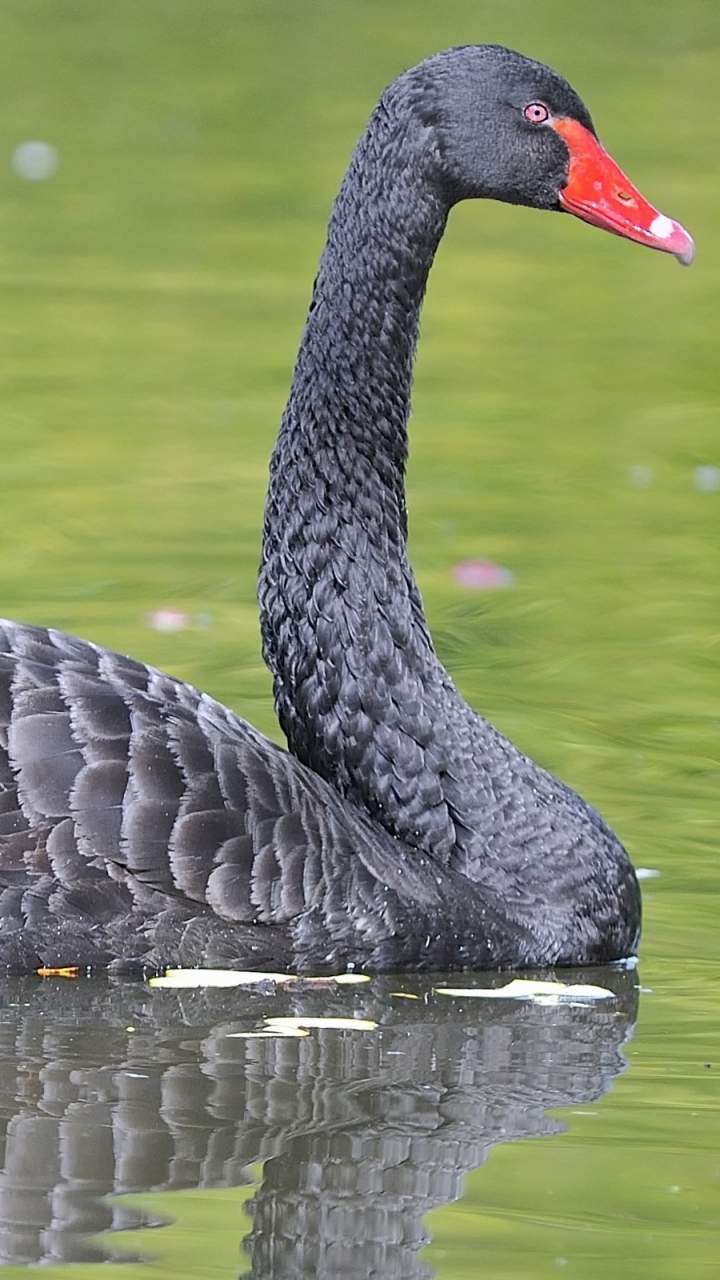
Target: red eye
536	113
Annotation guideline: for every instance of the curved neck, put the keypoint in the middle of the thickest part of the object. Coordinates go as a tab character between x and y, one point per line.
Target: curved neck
349	402
342	621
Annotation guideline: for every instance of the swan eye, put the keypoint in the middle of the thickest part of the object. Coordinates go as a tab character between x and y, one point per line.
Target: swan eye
536	113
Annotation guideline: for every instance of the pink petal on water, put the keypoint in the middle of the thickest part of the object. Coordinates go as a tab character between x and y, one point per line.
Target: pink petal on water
167	619
482	575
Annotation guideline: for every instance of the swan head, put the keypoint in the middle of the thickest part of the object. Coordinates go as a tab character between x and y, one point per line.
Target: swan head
512	129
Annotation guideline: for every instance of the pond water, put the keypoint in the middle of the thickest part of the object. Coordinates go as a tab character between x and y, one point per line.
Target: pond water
152	290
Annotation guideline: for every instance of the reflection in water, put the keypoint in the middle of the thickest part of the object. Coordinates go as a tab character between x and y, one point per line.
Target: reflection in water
110	1087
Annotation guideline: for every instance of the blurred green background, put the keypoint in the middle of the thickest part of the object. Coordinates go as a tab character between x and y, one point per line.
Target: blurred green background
152	294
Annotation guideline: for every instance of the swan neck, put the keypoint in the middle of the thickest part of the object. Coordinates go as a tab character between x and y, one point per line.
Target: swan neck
352	380
341	615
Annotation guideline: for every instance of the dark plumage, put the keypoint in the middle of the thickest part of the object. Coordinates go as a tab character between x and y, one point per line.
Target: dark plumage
141	823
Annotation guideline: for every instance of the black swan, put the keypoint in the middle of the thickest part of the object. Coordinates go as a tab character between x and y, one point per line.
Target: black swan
143	824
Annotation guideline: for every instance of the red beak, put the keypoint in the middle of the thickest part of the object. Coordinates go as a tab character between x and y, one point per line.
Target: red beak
598	192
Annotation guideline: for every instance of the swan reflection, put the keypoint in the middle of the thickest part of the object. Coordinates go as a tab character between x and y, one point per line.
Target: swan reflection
109	1087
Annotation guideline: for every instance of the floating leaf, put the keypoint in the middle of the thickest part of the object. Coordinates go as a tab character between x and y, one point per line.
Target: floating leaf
300	1026
528	989
337	1024
340	980
242	978
217	978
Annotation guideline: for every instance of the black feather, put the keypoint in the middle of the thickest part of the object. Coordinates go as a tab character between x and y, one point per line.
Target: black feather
141	823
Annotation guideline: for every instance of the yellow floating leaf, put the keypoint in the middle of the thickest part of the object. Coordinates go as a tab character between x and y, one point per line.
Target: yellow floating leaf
241	978
68	971
217	978
338	1024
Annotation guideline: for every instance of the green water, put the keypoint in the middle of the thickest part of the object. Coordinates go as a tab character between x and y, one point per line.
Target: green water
151	298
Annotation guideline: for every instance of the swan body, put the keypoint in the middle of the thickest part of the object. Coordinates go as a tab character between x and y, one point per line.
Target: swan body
143	824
